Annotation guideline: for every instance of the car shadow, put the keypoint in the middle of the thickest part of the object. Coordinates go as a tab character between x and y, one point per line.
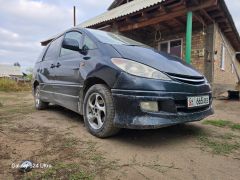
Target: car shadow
176	134
70	115
172	134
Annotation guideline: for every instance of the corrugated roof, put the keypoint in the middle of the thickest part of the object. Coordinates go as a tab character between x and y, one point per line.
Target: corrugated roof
9	70
120	11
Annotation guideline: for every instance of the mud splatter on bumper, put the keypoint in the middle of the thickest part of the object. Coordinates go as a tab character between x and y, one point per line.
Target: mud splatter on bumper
173	109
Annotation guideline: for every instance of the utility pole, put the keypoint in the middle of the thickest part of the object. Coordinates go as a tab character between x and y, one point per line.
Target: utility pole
74	16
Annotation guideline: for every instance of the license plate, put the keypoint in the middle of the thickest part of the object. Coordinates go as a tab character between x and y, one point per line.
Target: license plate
198	101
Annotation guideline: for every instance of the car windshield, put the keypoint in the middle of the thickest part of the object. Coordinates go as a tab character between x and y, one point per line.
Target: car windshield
111	38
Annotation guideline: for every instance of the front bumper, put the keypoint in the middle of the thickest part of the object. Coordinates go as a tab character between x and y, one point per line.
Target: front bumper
173	109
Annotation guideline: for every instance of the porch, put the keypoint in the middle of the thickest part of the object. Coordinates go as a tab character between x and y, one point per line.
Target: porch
180	27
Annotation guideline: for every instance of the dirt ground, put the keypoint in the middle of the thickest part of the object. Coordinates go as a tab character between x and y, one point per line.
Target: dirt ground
204	150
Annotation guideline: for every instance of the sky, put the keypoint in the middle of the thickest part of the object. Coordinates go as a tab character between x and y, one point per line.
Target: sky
25	23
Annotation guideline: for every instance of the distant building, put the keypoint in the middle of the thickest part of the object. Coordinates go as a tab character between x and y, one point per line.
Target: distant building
10	71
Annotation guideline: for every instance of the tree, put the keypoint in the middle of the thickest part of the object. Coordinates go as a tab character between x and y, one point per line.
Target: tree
17	64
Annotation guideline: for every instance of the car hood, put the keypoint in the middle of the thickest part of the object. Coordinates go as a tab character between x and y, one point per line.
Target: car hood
160	61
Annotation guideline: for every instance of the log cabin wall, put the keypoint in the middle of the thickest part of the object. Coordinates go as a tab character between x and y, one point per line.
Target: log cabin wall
224	73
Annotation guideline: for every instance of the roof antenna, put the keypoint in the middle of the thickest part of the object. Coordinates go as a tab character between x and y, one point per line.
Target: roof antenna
74	16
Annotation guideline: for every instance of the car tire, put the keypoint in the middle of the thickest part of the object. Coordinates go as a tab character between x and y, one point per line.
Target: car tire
39	104
99	111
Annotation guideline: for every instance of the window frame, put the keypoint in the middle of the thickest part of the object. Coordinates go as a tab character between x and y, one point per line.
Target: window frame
42	55
223	57
232	68
47	48
169	45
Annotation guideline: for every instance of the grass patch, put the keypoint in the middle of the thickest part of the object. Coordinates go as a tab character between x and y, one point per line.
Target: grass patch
227	136
223	144
72	159
15	105
235	126
218	123
72	171
8	85
20	110
69	142
223	123
15	112
81	175
97	158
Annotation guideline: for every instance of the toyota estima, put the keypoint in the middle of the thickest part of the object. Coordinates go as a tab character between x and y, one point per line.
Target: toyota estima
116	82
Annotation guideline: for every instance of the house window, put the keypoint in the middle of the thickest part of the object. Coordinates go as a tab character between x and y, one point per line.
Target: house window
173	47
222	65
164	47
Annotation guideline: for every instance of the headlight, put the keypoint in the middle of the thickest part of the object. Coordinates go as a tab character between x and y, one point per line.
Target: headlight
138	69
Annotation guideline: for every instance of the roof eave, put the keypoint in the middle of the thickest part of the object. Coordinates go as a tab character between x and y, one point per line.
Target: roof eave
231	21
114	4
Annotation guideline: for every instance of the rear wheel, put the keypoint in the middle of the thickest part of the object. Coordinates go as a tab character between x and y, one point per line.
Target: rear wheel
39	104
99	111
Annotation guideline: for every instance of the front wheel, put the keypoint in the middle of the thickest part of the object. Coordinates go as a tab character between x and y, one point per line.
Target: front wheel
39	104
99	111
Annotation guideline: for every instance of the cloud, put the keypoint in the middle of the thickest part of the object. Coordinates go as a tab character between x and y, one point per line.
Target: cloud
34	18
24	23
7	33
234	6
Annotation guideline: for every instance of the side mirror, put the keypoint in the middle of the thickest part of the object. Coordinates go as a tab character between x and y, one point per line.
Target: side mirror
84	50
71	44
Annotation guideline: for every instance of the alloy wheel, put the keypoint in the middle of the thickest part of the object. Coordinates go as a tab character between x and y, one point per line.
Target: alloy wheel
96	110
37	98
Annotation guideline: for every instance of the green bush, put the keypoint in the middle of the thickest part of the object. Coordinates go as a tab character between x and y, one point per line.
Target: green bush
9	85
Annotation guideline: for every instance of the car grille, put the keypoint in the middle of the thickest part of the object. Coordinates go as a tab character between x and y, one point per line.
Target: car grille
188	79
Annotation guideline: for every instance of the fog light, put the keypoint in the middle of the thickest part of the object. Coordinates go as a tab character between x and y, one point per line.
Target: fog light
149	106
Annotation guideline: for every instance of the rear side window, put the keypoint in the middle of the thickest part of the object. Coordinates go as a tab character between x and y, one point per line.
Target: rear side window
53	50
72	35
40	57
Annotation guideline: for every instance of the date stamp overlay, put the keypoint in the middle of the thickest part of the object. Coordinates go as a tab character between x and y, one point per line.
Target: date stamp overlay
27	165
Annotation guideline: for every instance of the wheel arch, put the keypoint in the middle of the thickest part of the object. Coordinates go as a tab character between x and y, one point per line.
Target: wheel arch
87	84
92	81
35	84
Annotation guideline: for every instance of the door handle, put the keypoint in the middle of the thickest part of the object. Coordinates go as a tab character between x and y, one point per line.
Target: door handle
53	66
58	65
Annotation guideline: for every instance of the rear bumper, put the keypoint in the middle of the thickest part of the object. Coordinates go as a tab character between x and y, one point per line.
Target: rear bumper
173	109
